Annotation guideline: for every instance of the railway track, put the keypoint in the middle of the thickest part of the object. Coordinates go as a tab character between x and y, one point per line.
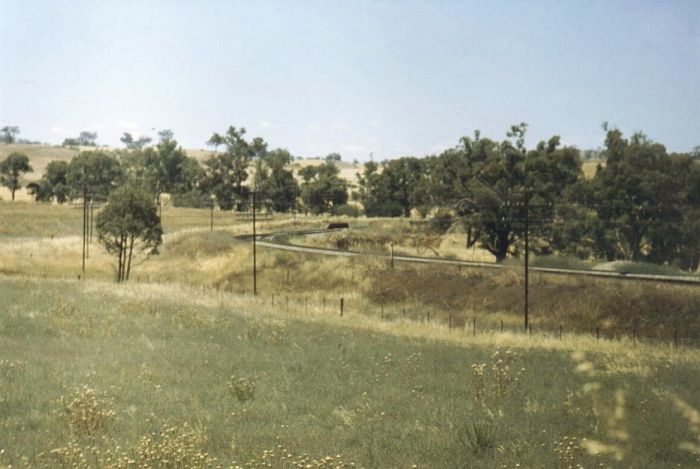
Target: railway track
272	241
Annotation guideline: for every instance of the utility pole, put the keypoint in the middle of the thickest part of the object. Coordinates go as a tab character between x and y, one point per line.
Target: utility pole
527	258
92	216
85	229
211	224
255	274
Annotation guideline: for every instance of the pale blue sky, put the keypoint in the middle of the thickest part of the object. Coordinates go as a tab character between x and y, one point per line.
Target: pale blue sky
392	78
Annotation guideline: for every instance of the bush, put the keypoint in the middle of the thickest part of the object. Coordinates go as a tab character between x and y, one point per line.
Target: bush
191	199
346	210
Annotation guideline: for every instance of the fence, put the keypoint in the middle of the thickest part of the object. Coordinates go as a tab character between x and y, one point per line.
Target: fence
454	322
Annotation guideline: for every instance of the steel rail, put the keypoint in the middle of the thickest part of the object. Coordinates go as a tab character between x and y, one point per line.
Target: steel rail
269	240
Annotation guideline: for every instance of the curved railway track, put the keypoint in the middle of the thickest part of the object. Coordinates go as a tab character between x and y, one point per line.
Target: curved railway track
271	240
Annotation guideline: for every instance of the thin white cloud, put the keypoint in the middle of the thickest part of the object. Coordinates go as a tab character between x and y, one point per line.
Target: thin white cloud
57	129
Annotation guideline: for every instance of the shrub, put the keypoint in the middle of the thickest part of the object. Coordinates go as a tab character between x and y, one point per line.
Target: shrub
243	389
346	210
478	437
85	412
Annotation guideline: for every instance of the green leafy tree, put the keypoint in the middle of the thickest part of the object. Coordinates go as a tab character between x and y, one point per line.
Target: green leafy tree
12	169
390	193
633	193
646	202
129	226
53	185
323	189
228	170
168	169
401	177
128	140
276	184
85	139
8	134
93	174
504	184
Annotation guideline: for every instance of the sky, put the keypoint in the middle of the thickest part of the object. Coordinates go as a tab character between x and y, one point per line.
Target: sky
379	79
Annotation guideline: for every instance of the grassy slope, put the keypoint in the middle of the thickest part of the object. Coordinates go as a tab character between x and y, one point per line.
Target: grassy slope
381	394
42	240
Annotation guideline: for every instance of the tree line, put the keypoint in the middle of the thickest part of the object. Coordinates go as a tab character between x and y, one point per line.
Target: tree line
642	204
165	167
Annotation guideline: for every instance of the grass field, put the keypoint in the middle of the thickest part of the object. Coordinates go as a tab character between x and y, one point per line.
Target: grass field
183	368
95	375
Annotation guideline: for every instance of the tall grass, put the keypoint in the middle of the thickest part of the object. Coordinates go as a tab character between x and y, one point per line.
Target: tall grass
194	256
158	372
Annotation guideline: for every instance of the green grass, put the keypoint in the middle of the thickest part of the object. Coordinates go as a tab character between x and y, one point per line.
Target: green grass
378	393
185	369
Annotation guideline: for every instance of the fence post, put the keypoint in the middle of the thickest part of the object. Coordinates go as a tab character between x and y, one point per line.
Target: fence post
324	304
450	323
272	299
529	329
286	299
428	317
342	301
560	328
501	325
306	304
404	313
474	327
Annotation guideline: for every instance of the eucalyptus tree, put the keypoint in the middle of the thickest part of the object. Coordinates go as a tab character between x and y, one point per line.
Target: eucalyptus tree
227	171
12	169
94	174
129	226
322	189
53	185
